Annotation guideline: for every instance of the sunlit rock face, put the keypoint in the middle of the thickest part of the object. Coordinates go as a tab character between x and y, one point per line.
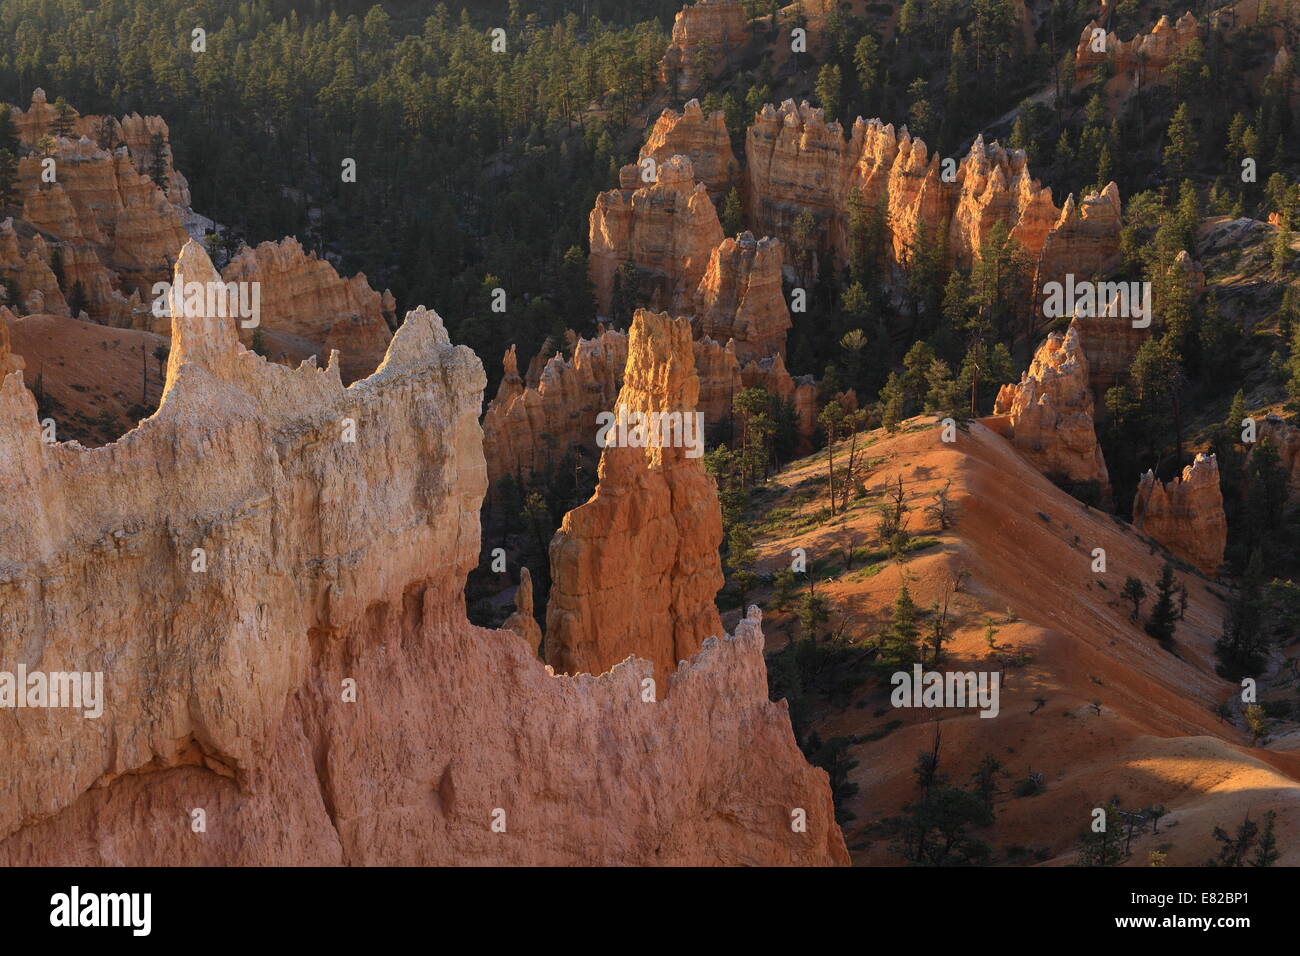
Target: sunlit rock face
1186	514
269	575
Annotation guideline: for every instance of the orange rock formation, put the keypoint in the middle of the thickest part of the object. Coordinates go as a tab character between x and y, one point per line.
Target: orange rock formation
666	229
9	362
117	232
522	621
1139	61
797	162
635	569
304	296
702	139
314	686
1186	515
570	393
1051	413
740	297
704	35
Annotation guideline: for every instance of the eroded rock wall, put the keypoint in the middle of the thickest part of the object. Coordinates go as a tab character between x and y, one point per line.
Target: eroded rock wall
701	138
1050	413
740	297
665	229
569	394
330	561
704	35
1185	515
304	296
798	163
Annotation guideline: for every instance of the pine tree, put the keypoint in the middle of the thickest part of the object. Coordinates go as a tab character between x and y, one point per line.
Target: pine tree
1165	612
1266	852
900	641
1136	592
1180	154
63	119
829	90
733	216
158	161
813	612
786	587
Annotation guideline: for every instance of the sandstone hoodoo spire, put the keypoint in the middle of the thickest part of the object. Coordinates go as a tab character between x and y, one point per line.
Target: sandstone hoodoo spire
201	334
1186	515
522	621
636	568
1050	413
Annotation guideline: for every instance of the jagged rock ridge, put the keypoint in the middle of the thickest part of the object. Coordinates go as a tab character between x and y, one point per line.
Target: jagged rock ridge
1050	413
329	561
1185	515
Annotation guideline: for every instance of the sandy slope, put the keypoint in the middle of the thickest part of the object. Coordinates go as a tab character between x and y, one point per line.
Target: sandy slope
1028	548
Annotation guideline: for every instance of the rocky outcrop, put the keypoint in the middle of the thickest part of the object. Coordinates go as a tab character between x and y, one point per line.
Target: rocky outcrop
797	163
9	362
522	622
1185	515
304	296
1084	240
278	615
529	429
705	34
740	297
703	139
1110	344
117	233
635	569
38	288
108	133
666	230
1050	413
1137	62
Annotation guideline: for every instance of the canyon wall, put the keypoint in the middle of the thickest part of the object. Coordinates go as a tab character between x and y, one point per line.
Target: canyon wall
666	230
636	568
1137	62
740	297
797	163
1050	413
269	573
704	35
1185	515
304	296
703	139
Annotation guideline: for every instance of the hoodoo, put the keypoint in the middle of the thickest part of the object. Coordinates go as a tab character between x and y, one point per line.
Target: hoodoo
636	568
